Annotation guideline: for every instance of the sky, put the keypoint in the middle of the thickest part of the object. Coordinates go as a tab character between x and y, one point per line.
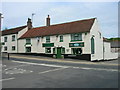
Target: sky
16	14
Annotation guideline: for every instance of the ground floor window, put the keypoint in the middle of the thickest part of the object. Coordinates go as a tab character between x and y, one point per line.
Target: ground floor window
47	50
54	52
77	51
28	49
13	48
5	48
63	50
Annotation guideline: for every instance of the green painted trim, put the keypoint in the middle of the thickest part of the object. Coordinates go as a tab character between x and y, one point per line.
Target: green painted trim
92	46
48	44
75	40
13	40
61	40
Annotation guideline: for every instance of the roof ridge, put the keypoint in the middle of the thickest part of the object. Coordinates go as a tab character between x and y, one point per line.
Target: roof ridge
15	28
63	28
64	23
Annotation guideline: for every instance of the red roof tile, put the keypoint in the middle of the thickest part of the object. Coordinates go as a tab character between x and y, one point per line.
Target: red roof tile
65	28
12	30
105	39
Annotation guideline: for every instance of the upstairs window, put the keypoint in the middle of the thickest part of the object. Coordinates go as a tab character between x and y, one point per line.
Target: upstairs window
76	37
28	41
47	38
13	37
5	39
61	38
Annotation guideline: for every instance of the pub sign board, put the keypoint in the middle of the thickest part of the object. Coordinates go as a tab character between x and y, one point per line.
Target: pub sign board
76	44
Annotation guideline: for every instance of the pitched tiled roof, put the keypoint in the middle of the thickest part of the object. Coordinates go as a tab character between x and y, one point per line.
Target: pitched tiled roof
12	30
105	39
65	28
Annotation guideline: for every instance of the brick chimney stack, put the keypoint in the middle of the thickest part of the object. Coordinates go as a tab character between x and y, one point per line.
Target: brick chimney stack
29	23
48	21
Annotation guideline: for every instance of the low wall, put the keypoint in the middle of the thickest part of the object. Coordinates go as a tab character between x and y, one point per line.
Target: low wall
108	56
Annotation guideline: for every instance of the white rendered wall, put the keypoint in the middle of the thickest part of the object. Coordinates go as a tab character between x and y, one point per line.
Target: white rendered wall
21	46
20	33
56	40
98	42
38	48
107	52
9	43
86	40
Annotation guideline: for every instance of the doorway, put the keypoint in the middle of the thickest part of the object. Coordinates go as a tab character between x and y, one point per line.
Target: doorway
58	52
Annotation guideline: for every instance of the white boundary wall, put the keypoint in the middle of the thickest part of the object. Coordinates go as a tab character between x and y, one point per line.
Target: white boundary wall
107	52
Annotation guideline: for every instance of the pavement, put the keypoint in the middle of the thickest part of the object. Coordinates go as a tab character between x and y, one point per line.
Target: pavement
23	71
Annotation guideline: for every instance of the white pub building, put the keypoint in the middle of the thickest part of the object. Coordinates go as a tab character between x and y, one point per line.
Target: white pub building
79	38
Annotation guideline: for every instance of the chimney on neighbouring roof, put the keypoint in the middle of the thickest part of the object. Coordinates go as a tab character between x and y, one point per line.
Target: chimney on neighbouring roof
48	21
29	23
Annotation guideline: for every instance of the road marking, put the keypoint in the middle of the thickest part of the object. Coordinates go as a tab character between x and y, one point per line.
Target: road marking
85	68
7	79
93	63
2	65
51	70
48	65
13	67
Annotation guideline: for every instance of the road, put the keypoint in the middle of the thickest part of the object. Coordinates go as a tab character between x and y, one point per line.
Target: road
31	72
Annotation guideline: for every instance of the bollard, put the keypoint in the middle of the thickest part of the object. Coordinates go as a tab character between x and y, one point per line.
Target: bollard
8	56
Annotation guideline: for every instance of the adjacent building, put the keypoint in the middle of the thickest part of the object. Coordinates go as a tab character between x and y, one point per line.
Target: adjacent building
9	38
80	38
115	46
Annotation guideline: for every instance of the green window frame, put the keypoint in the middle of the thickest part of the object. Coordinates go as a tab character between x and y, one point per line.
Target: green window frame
28	41
13	37
47	50
47	38
13	48
63	50
76	37
5	39
92	46
61	38
5	48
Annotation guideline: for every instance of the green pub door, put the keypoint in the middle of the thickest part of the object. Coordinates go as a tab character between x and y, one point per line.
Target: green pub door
59	52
